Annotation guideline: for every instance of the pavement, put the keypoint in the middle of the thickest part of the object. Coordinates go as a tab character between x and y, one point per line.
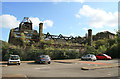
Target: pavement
109	65
79	61
56	69
99	64
100	67
92	65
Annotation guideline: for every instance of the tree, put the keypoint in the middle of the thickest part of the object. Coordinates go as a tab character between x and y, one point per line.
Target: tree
90	50
32	47
23	40
101	42
5	51
101	49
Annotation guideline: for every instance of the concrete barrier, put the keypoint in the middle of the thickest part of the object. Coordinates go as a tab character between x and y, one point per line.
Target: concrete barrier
21	62
77	61
3	65
27	61
10	76
100	67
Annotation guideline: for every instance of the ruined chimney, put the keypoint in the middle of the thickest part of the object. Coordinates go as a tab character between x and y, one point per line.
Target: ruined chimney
10	36
40	29
90	37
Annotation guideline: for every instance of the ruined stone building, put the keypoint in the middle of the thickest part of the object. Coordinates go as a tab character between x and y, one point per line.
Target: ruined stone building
102	35
26	28
25	31
57	38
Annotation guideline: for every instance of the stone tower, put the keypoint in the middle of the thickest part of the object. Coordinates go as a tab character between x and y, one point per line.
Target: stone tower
40	29
90	37
10	36
26	24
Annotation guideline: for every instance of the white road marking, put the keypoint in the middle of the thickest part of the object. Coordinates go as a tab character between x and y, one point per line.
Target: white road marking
67	64
43	68
96	65
37	68
39	65
89	64
108	74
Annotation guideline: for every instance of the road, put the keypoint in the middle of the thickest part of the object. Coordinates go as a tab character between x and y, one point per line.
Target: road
56	69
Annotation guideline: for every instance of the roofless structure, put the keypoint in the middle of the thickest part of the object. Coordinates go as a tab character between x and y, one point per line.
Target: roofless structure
26	31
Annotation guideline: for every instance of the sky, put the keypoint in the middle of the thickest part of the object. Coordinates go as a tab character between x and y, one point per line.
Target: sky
66	18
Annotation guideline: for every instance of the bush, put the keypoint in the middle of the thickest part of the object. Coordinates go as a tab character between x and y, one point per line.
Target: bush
31	54
113	51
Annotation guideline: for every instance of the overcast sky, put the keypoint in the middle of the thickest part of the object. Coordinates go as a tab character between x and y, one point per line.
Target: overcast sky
66	18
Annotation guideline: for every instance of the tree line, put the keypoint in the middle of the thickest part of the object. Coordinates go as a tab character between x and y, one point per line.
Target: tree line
108	46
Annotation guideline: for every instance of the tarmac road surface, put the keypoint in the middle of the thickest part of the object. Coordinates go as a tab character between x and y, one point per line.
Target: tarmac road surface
56	69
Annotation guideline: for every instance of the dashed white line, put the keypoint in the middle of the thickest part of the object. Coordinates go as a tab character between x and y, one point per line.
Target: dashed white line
67	64
43	68
108	74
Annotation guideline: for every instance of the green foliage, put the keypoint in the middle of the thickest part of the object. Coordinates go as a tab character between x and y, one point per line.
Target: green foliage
101	42
23	40
90	50
62	51
30	53
101	49
22	36
49	48
113	51
32	46
5	51
108	46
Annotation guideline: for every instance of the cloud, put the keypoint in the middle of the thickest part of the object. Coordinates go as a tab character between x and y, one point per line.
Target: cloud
109	31
77	15
36	21
8	21
98	18
48	23
70	34
85	29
